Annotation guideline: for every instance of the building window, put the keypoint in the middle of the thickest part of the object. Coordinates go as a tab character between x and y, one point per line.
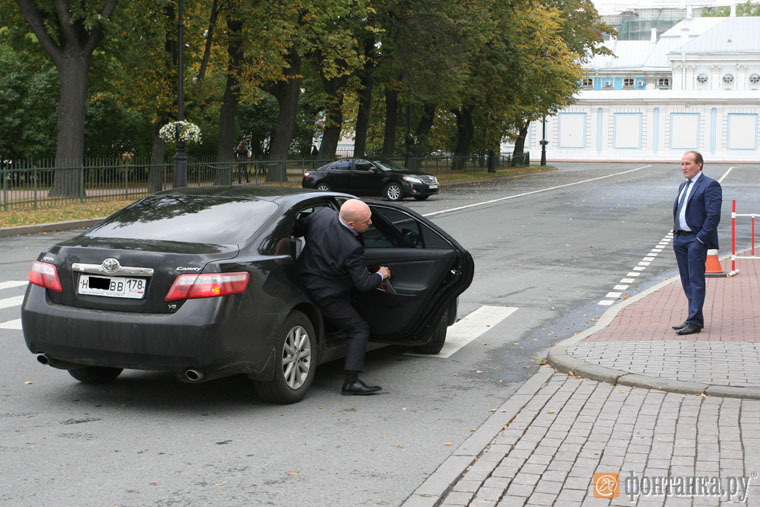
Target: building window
754	79
628	82
663	82
702	78
608	84
728	79
587	82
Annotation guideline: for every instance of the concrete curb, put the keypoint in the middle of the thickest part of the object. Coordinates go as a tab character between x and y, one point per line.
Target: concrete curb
564	362
6	232
431	492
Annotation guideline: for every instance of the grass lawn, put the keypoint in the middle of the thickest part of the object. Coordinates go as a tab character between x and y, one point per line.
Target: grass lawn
96	209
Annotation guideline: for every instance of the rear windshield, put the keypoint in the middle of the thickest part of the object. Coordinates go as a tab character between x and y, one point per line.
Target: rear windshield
219	220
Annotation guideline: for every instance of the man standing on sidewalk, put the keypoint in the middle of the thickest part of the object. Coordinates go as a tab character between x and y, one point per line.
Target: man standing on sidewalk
696	214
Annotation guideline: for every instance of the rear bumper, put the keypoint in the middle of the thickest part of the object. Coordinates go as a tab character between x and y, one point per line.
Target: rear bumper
204	335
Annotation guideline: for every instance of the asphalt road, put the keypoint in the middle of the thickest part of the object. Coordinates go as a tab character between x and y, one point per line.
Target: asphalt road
551	245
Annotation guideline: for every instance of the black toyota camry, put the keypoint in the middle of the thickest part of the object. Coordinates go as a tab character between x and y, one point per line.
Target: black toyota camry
202	282
372	177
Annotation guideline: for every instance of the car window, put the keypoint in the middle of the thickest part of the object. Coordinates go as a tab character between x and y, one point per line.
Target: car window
341	165
392	228
362	165
215	219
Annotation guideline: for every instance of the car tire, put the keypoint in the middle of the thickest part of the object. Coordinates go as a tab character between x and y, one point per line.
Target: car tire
393	192
324	187
436	342
95	374
295	361
421	197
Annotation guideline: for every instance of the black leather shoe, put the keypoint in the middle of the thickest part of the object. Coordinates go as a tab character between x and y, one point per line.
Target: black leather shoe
689	329
680	326
358	387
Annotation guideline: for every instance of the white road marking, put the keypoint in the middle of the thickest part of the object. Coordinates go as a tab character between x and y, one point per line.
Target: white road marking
9	302
620	287
606	302
469	328
633	274
613	294
639	268
725	174
644	263
460	208
627	280
648	259
11	324
12	284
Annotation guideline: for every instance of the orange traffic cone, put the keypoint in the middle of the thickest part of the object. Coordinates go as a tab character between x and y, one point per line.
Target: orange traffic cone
712	265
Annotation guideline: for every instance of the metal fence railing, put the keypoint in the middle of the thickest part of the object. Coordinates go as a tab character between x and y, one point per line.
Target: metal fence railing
26	185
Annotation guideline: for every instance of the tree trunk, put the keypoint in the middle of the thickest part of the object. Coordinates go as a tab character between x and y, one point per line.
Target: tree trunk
424	127
287	93
209	39
333	116
72	105
157	154
365	99
520	140
465	131
362	119
391	119
228	112
518	152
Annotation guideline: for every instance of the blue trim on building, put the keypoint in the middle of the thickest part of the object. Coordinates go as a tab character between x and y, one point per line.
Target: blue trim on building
656	130
728	132
713	129
614	130
599	129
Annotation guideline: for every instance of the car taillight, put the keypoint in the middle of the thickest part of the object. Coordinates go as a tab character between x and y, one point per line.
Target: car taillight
45	275
306	174
207	285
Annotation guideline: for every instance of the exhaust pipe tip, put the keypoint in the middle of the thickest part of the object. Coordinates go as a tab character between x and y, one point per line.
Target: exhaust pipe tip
194	375
43	359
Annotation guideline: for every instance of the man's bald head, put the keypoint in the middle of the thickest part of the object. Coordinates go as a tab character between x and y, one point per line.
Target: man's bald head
356	214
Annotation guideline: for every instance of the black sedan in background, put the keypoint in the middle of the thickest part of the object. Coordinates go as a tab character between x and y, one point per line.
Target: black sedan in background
372	177
202	282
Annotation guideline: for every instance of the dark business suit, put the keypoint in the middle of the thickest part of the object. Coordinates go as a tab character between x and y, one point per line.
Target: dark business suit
702	217
331	265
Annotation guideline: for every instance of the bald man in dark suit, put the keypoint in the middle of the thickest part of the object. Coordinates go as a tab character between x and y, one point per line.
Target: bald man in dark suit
331	265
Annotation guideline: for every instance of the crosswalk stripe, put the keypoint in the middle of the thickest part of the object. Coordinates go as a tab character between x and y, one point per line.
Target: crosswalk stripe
12	284
469	328
9	302
11	324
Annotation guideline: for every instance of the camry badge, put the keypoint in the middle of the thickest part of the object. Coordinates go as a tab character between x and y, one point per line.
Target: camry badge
111	265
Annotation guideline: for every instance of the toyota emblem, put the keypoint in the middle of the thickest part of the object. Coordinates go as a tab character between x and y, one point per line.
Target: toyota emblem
111	265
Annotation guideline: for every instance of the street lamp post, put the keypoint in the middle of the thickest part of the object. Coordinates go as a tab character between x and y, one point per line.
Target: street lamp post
544	142
180	158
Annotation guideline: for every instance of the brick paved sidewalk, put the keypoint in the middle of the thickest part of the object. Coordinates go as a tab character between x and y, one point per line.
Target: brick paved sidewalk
573	428
698	432
638	346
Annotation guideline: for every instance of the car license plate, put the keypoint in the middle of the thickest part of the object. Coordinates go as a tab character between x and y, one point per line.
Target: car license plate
112	286
433	186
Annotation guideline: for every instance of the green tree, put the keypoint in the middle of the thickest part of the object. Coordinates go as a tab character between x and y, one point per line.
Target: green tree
69	33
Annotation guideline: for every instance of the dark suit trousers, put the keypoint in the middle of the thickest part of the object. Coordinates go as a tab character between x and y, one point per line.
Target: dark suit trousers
339	312
691	256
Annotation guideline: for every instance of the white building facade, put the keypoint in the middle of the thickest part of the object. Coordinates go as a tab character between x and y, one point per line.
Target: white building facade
696	88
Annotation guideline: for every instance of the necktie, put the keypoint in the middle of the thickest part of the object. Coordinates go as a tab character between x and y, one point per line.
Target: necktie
681	201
